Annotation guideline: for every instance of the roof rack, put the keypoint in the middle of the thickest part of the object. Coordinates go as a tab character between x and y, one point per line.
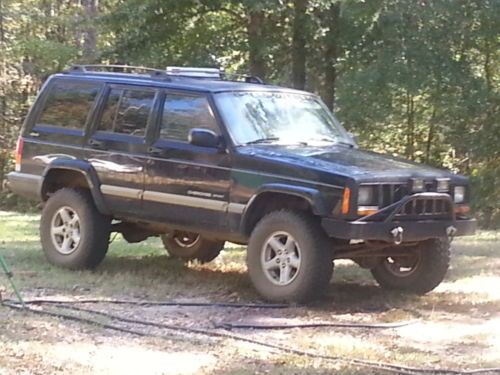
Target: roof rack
168	73
113	68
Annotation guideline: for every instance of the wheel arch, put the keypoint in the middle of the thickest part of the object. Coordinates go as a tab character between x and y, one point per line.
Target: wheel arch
271	197
72	173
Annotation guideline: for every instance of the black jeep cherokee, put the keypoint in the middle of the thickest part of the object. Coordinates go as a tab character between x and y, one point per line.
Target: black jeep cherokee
198	159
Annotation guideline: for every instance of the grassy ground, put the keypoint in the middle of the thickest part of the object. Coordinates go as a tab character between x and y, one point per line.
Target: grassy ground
458	327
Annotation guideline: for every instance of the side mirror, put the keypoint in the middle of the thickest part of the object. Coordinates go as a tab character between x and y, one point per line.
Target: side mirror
204	138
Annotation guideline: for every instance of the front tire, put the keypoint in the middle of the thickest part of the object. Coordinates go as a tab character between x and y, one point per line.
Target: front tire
288	257
73	233
191	246
420	272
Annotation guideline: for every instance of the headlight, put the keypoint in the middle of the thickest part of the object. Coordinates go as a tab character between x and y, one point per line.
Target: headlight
417	185
442	185
459	194
365	195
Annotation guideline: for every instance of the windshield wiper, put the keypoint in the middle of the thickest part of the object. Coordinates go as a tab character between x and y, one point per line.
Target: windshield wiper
332	140
262	140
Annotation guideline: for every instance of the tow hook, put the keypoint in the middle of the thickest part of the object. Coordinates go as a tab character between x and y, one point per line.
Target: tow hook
397	235
450	233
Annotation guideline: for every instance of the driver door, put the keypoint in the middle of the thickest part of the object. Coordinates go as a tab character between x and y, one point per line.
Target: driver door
187	185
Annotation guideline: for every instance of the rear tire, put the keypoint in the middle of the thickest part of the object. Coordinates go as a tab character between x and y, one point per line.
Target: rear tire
289	257
418	274
73	233
191	246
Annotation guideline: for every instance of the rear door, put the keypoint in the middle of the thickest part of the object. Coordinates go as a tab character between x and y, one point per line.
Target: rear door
117	146
185	184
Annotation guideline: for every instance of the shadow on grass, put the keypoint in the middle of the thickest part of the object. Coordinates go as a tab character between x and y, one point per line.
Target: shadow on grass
148	274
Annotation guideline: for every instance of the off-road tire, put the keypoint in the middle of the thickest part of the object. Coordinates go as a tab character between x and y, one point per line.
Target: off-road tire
316	261
94	229
428	273
203	250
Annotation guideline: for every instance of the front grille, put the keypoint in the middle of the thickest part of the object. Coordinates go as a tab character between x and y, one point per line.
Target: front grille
391	193
432	208
422	208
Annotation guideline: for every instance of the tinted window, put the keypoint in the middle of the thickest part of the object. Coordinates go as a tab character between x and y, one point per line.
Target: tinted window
68	104
127	111
181	113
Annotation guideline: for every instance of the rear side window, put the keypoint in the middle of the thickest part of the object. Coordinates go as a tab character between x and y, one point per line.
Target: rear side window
127	111
181	113
68	104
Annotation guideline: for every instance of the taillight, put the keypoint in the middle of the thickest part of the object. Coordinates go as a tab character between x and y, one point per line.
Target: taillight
19	153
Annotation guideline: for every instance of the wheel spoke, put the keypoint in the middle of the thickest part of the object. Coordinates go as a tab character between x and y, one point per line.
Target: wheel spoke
66	245
285	274
275	244
294	261
75	236
65	215
271	264
74	220
58	231
290	245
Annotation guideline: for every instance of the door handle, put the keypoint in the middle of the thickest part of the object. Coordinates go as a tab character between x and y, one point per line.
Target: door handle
94	143
157	151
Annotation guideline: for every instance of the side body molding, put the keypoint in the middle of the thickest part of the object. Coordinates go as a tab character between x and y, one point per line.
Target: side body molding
87	170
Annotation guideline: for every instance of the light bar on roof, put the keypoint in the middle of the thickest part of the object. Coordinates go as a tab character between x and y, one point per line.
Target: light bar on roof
194	72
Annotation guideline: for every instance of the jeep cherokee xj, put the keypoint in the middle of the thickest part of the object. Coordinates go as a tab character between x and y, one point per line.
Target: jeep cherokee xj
199	159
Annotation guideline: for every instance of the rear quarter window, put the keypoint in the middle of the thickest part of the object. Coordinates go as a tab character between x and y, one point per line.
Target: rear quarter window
68	104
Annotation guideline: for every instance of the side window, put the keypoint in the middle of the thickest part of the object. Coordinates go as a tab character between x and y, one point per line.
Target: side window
68	104
127	111
181	113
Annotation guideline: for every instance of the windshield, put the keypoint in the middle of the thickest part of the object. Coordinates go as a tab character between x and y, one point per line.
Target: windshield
277	117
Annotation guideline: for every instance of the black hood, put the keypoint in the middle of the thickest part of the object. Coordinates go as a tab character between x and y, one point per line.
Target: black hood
344	160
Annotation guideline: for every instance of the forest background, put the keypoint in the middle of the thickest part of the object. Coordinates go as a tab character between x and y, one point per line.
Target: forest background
415	78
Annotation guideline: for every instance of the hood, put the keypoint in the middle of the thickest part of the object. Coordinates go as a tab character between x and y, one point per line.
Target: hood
349	162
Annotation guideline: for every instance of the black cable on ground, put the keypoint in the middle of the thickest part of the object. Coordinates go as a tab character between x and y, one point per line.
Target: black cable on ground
399	369
225	325
158	303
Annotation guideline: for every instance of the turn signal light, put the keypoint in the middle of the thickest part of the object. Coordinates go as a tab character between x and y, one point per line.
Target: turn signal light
367	210
462	209
345	200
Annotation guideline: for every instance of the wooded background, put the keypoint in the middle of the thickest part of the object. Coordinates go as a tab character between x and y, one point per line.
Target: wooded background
417	78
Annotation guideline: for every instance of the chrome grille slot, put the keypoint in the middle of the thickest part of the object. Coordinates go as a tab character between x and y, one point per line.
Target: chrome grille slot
429	208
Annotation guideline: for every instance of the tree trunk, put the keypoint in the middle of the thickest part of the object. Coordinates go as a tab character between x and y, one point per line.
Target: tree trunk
410	123
90	34
257	63
331	55
430	136
299	44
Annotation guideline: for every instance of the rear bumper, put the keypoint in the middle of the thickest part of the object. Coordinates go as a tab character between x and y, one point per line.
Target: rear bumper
24	184
412	230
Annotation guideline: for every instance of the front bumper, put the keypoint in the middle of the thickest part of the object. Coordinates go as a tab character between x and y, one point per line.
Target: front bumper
388	224
412	230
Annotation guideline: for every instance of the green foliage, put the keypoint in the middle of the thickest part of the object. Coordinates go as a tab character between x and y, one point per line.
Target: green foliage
413	78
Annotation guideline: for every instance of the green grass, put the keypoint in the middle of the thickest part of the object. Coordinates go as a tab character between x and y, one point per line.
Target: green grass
460	320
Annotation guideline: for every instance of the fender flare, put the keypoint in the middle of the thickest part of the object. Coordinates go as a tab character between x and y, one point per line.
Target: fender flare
311	195
87	170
